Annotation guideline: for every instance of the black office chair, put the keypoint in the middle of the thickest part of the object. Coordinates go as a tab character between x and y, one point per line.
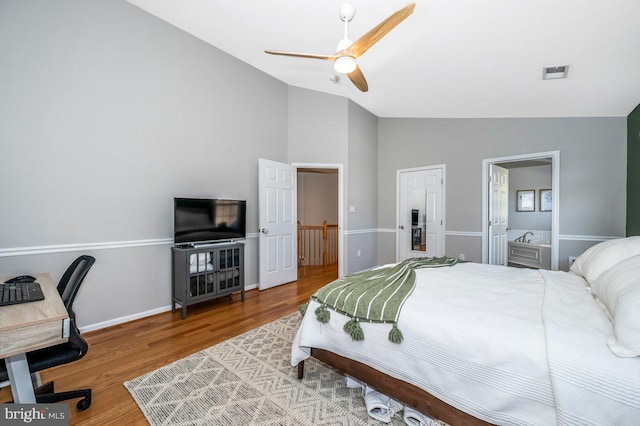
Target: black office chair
73	350
68	288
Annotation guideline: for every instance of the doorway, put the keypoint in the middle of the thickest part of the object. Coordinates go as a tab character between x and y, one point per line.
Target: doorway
494	248
420	212
320	215
277	219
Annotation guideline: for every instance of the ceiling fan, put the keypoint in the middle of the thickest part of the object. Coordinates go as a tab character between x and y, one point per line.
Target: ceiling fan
344	60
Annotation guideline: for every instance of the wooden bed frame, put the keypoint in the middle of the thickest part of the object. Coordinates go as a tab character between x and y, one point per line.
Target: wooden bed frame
398	389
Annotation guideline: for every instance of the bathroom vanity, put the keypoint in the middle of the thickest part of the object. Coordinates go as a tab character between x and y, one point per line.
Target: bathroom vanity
530	255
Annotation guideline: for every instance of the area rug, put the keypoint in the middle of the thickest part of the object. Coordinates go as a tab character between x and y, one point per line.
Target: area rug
248	380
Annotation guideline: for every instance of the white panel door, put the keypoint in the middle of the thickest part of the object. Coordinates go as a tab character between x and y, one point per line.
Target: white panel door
498	214
421	206
277	217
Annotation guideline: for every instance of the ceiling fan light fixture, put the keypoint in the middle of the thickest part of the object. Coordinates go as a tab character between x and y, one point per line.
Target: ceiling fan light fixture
344	64
344	60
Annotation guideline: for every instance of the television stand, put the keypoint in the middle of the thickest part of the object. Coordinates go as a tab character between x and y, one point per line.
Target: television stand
206	272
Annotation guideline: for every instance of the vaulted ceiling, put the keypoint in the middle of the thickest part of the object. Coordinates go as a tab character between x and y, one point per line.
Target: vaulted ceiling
450	58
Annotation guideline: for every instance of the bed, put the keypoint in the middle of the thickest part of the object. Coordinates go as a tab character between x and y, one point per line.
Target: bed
490	344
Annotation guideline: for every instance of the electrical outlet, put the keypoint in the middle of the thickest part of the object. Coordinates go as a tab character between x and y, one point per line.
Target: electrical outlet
461	256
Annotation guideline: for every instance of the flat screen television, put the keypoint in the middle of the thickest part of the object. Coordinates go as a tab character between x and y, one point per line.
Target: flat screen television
205	220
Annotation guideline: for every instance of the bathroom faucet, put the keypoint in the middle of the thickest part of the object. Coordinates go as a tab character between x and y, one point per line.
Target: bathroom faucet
523	238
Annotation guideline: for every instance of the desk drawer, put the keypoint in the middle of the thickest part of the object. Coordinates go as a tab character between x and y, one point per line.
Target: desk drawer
30	338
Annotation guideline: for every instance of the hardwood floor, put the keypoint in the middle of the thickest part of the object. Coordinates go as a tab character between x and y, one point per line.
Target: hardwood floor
122	352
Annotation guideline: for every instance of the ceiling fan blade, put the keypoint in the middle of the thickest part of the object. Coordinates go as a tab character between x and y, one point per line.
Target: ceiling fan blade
357	78
302	55
363	44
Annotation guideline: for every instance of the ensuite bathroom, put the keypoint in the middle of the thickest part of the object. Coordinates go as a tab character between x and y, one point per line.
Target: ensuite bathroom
530	205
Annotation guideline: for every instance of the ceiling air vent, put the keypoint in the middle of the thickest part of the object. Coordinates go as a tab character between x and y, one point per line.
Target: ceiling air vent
554	73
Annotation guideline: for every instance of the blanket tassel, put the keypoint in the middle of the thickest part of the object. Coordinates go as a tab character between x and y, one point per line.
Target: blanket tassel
303	308
349	325
354	329
395	335
322	314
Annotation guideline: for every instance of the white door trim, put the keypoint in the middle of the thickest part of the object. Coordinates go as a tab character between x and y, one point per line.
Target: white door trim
555	213
444	203
341	231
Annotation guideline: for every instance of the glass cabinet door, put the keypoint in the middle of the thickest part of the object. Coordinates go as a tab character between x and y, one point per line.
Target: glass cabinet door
229	269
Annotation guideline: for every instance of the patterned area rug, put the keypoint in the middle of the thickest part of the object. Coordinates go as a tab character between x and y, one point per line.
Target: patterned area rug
248	380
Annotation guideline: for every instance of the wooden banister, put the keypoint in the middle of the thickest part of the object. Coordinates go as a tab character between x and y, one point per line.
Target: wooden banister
317	244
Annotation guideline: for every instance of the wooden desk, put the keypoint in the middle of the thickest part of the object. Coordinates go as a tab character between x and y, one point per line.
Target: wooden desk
29	326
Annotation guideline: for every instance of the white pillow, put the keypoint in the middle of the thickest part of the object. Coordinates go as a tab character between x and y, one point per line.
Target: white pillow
618	288
603	256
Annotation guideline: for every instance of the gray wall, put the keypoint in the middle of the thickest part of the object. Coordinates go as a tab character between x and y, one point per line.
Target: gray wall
325	128
107	114
592	172
317	133
362	193
527	178
317	127
317	198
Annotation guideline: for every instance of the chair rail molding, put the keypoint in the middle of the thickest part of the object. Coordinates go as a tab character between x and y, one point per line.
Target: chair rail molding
63	248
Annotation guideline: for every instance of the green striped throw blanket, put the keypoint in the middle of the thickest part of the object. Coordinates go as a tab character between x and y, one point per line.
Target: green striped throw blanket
374	296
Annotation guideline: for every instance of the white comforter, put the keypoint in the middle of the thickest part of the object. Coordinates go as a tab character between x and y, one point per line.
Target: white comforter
592	386
475	337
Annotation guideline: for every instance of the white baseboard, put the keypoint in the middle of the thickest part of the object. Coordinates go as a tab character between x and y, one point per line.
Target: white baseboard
133	317
121	320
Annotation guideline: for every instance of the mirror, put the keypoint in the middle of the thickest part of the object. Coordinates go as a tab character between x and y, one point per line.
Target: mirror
417	210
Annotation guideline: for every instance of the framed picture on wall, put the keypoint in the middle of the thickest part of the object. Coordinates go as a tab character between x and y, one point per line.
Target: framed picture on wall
546	200
526	200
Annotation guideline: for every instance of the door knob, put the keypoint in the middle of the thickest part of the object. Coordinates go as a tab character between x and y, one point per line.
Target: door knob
401	226
264	231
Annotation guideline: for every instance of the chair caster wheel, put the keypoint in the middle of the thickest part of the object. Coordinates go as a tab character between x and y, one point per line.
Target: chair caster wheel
83	404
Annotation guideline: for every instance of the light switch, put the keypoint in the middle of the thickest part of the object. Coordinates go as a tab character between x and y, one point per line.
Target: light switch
352	209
